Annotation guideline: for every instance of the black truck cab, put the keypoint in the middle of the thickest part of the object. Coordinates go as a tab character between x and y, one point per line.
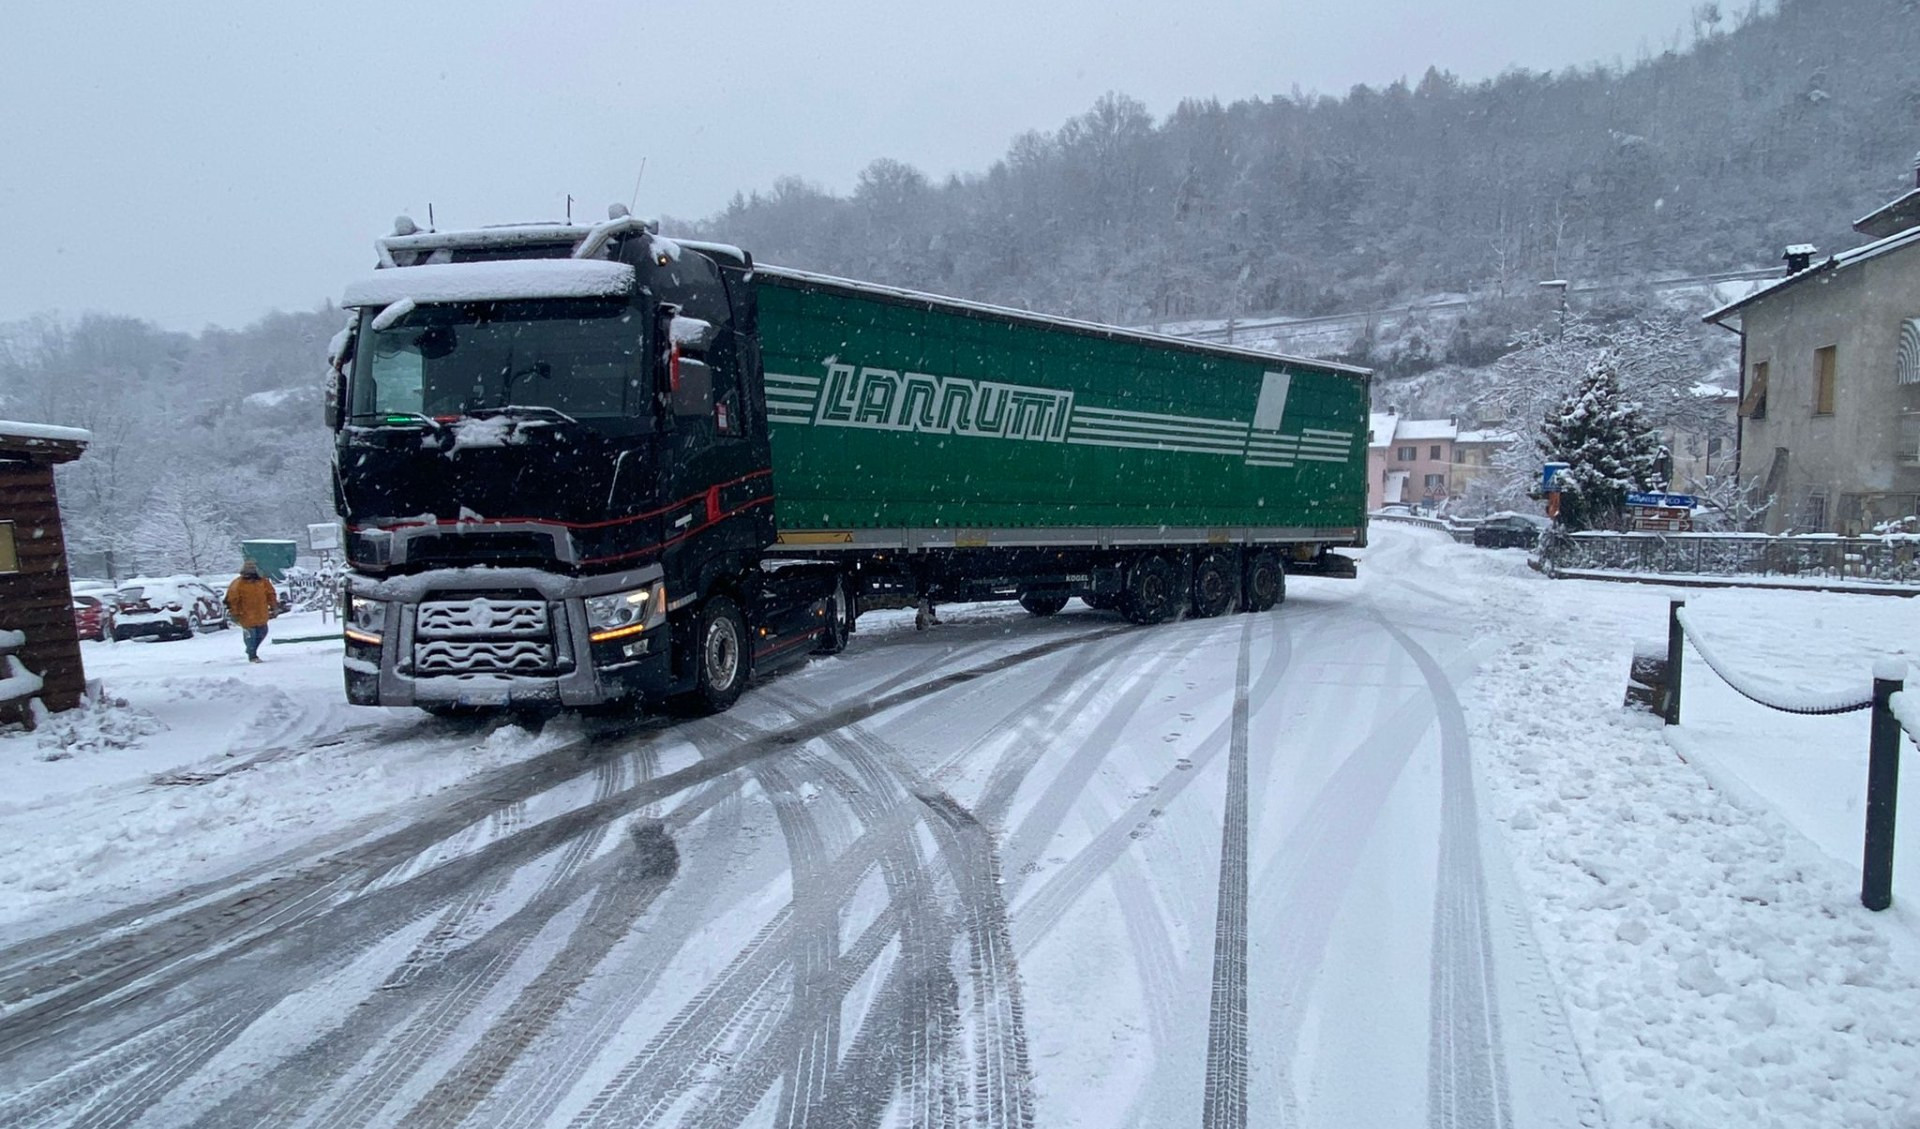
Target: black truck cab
553	465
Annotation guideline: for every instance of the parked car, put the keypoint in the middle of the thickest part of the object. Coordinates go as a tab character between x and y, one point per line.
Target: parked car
1510	531
171	608
93	614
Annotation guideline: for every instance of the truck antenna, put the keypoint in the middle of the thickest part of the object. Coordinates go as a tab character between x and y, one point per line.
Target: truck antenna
635	198
429	215
569	209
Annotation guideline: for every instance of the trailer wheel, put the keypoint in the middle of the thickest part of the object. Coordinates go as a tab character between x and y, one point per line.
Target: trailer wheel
1043	603
1216	582
1152	594
1266	581
720	656
839	620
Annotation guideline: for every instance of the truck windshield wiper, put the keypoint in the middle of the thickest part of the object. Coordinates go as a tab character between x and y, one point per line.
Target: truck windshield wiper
523	411
408	419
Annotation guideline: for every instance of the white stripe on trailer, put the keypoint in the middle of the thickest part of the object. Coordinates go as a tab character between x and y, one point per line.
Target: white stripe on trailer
1239	426
790	378
1270	462
1150	445
1323	458
1321	431
1135	433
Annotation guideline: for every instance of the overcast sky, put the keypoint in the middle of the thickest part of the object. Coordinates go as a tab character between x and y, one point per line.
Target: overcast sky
204	163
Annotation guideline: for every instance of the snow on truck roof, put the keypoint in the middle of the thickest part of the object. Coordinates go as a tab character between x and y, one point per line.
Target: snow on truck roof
922	298
492	280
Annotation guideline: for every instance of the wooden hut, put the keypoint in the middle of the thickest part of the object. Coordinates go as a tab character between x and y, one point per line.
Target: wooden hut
37	639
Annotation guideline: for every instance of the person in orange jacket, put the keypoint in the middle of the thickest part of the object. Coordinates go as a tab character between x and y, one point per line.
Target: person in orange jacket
251	601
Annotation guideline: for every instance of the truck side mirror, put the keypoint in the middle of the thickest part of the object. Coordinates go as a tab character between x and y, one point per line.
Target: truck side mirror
339	360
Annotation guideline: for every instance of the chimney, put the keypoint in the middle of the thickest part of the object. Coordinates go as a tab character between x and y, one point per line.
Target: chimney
1799	257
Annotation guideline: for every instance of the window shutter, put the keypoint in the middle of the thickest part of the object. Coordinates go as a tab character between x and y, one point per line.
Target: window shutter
1754	404
1908	365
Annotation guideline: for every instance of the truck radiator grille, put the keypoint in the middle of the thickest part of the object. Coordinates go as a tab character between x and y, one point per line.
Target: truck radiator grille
479	617
448	656
483	635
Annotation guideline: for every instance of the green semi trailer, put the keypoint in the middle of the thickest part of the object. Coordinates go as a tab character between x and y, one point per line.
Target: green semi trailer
581	466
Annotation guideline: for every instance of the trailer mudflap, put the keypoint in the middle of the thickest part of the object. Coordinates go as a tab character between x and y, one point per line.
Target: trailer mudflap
1334	565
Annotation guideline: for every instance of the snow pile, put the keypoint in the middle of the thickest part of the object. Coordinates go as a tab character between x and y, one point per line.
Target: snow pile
16	681
98	724
1716	967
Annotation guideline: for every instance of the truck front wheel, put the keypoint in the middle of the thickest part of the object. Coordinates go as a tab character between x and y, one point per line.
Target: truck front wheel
1151	595
1266	581
838	620
720	656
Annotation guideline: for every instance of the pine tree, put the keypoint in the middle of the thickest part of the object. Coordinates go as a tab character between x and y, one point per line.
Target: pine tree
1609	450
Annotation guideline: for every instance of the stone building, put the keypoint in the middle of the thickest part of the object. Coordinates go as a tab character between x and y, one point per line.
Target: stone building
1830	379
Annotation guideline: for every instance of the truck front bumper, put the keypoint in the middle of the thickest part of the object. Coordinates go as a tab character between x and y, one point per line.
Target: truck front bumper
532	647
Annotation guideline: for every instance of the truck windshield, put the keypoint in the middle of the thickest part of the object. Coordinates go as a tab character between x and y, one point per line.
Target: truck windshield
584	359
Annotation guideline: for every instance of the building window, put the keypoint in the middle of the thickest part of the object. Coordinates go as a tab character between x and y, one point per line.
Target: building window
1823	365
1433	452
9	556
1408	454
1436	483
1754	404
1813	516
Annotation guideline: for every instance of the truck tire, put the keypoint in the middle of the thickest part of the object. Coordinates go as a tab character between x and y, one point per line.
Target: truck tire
1216	585
1043	603
1265	582
839	620
1153	590
720	656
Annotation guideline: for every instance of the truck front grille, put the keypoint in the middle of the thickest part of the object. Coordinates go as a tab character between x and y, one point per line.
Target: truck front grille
447	656
483	635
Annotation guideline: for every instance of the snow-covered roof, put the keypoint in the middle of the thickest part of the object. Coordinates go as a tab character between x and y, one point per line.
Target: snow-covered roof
1887	218
1380	429
1425	429
11	429
918	297
1487	435
496	280
1832	263
1714	392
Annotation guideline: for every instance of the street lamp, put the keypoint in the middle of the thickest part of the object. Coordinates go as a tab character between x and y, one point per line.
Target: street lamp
1559	284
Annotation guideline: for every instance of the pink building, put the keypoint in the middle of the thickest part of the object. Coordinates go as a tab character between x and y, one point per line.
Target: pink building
1409	461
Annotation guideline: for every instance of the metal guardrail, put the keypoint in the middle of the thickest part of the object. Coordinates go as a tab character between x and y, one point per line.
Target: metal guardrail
1893	560
1464	535
1893	714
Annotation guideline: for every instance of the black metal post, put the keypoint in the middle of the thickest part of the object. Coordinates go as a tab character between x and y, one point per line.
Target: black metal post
1676	653
1883	786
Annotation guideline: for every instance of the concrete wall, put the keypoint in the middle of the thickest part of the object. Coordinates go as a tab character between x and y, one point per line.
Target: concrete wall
1856	450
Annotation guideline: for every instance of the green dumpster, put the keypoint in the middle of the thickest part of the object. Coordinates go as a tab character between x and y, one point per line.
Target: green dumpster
274	557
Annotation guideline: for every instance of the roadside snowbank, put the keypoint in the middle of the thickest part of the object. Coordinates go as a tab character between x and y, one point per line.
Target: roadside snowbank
198	764
1717	968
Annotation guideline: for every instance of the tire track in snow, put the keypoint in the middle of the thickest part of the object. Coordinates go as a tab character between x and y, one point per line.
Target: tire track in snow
1466	1063
1225	1102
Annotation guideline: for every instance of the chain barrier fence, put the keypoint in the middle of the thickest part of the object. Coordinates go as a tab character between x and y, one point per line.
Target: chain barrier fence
1895	712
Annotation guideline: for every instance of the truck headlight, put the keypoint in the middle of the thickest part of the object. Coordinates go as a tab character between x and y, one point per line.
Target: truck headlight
366	619
619	614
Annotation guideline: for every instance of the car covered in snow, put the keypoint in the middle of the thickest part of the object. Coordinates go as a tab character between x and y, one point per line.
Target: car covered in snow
173	607
1510	531
93	614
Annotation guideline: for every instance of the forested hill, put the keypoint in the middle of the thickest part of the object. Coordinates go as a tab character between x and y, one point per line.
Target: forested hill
1767	126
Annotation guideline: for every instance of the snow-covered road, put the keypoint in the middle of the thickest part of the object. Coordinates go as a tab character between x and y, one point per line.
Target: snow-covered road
1012	872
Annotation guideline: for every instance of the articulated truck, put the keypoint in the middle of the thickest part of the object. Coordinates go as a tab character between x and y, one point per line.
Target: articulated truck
592	466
